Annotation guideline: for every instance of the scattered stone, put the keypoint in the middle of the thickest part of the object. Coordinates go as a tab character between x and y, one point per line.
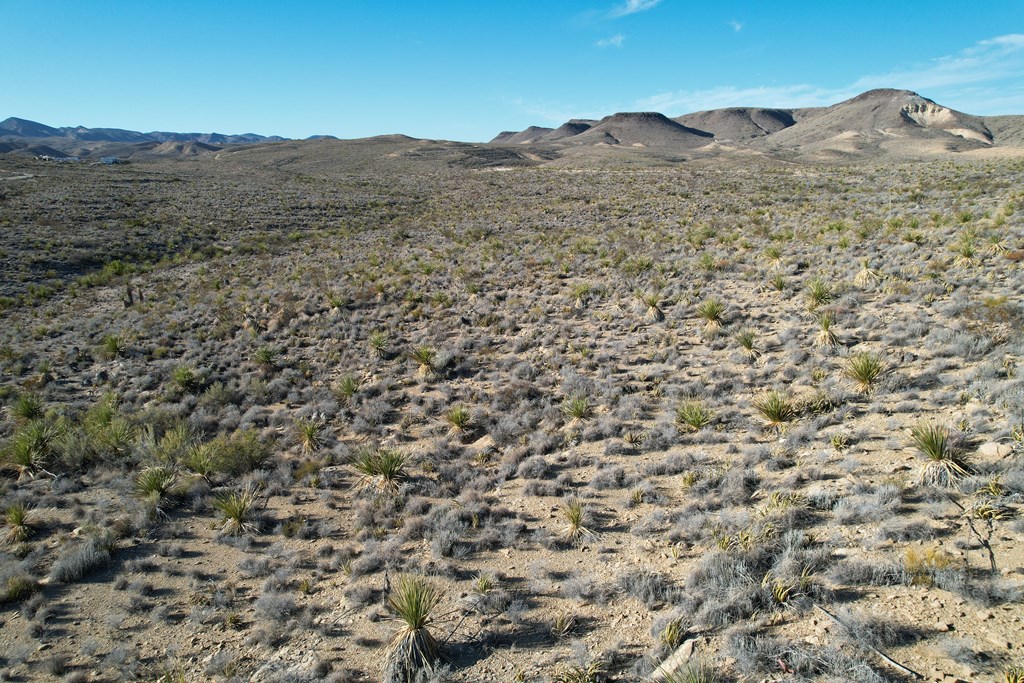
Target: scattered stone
994	450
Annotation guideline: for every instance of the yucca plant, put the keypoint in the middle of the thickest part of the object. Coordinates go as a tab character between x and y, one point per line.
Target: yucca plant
576	531
459	421
346	388
581	295
694	672
413	649
818	293
33	446
379	344
238	511
747	339
424	357
711	311
864	370
867	276
693	415
153	483
591	673
382	470
18	518
1015	674
653	311
776	409
577	408
27	407
113	346
186	378
309	434
265	358
826	336
945	465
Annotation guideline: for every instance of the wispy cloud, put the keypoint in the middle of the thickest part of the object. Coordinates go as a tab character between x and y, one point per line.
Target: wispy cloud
974	73
553	113
736	26
613	41
634	6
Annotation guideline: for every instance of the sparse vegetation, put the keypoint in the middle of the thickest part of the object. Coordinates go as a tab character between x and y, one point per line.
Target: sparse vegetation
545	395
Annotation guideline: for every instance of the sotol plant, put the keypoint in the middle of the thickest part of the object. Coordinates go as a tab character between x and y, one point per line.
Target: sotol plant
381	470
238	511
693	415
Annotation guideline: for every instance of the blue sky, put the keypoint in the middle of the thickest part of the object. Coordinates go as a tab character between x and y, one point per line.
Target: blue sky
467	70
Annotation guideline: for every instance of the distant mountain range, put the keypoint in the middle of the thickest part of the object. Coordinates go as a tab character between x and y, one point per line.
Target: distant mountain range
874	124
31	137
898	122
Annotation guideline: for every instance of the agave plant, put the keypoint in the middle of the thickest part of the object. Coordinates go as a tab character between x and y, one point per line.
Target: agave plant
413	649
310	435
945	465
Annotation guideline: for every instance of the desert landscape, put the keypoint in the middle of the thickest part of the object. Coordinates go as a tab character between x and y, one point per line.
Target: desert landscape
731	396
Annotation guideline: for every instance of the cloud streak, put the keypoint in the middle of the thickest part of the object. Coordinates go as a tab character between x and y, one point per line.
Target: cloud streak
975	72
612	41
633	7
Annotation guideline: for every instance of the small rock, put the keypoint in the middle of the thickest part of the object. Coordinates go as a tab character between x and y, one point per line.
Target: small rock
943	626
994	450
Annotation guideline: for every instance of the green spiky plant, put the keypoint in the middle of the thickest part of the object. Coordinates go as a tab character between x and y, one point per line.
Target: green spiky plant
576	531
265	358
238	511
867	276
578	409
693	415
864	370
945	465
378	343
711	311
346	387
309	434
18	518
113	346
382	471
413	648
27	407
186	379
459	421
581	295
32	449
424	357
819	293
776	409
154	483
747	339
653	312
826	336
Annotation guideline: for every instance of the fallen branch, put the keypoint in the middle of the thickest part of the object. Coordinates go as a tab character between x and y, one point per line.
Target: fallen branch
884	657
